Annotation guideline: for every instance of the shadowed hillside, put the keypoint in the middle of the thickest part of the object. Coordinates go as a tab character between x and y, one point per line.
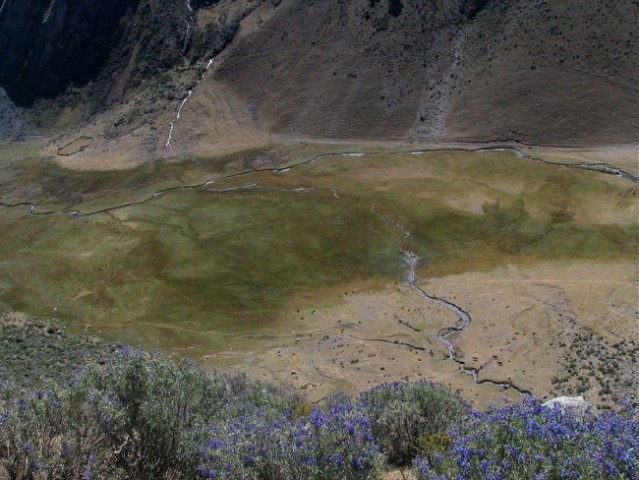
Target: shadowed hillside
66	63
49	45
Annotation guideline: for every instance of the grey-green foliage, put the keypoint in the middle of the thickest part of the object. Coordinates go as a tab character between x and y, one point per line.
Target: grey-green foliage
54	433
35	349
403	412
131	415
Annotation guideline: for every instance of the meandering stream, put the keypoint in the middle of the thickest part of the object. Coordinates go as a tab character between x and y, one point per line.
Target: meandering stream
33	208
463	322
175	268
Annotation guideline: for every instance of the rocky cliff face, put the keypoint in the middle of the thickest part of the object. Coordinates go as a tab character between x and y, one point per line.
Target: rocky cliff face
65	61
48	45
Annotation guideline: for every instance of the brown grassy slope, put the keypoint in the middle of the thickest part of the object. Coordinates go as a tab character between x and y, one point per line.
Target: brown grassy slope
529	70
555	73
324	70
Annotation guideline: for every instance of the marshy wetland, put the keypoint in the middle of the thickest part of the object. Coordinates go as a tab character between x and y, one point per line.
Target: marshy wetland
293	261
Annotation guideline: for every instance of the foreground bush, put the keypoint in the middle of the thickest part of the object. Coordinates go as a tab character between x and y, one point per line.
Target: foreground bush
407	417
529	441
133	415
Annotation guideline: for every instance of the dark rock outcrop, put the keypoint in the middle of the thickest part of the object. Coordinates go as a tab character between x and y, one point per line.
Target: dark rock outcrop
48	45
470	8
10	122
203	3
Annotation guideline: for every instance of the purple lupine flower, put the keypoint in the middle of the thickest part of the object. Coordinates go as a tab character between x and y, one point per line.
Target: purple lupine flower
65	450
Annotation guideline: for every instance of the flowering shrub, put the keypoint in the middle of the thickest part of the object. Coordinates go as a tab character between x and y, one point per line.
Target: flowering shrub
405	414
131	414
332	444
529	441
53	432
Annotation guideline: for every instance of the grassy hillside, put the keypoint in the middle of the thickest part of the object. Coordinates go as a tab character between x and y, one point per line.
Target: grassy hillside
526	70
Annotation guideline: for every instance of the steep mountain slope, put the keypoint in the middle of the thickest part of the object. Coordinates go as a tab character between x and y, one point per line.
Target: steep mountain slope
48	45
9	117
162	77
67	61
528	70
553	73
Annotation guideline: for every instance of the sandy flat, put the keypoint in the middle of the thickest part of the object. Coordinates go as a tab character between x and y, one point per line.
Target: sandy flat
359	338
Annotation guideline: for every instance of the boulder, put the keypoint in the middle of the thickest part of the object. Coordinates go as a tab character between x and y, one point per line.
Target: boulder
576	405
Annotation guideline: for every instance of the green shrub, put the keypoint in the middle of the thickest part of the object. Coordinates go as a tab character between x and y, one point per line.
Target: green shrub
128	415
54	433
403	414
